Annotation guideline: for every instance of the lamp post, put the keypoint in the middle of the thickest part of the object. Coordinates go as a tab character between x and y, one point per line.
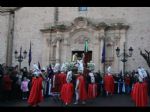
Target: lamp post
124	55
20	57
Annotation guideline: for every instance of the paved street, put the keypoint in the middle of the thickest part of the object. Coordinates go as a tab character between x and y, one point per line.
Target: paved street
114	101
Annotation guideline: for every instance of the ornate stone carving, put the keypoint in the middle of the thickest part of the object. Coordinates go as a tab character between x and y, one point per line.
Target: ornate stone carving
81	39
80	22
117	26
100	26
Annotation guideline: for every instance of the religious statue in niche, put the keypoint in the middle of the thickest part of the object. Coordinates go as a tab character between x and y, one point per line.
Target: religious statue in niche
75	57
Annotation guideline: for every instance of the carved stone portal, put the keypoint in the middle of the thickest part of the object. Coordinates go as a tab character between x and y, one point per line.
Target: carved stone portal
73	36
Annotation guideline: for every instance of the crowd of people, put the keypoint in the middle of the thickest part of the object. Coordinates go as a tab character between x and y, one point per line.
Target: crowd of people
38	83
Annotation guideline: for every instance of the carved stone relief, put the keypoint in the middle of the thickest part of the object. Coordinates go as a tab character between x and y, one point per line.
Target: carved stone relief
81	39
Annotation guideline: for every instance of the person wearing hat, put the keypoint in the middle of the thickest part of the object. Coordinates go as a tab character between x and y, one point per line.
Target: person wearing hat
66	94
80	89
109	82
36	95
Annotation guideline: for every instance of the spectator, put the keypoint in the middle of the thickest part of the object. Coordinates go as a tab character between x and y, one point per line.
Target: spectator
127	83
120	83
98	81
24	88
7	86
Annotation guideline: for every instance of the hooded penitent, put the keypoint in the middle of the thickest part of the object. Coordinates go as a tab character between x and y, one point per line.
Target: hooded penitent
36	96
67	90
92	87
109	81
139	92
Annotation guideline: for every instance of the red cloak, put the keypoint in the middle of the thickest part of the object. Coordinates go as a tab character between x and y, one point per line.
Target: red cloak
36	96
92	91
66	93
109	83
62	80
56	83
82	88
139	94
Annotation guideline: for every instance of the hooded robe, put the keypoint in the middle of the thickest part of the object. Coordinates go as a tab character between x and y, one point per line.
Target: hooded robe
109	83
36	96
82	88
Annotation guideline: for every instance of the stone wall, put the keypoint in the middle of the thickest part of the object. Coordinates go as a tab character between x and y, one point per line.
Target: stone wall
28	22
3	36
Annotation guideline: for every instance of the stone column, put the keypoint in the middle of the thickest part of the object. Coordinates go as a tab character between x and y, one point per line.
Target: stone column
65	51
117	38
57	51
101	50
50	49
10	37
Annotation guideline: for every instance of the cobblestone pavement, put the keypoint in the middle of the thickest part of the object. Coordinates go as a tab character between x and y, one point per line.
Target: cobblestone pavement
101	101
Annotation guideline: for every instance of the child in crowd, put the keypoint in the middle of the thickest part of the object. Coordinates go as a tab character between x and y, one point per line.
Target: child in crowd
24	88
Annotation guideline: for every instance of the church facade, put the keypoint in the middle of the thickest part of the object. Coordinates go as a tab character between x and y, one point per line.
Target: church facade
56	33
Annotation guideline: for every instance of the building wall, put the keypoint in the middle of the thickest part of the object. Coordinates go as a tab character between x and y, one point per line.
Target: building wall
3	36
29	21
138	19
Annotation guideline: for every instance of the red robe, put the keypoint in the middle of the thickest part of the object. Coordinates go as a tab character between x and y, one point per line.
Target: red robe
82	88
62	80
56	87
66	93
139	94
92	91
109	83
36	96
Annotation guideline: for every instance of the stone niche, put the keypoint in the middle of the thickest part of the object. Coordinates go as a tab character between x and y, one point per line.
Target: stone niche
61	39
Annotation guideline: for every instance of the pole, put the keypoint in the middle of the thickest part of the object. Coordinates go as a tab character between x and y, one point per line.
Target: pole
29	67
20	58
104	57
19	65
124	60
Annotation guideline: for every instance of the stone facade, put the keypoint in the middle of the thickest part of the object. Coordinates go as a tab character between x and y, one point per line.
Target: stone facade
4	22
33	24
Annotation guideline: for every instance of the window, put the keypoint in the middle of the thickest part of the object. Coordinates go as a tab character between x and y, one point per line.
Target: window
82	8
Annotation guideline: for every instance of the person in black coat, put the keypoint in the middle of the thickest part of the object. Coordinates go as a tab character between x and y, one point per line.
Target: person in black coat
148	82
1	76
116	84
98	81
120	82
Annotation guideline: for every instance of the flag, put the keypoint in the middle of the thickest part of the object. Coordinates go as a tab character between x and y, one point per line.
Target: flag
103	53
86	46
30	55
39	66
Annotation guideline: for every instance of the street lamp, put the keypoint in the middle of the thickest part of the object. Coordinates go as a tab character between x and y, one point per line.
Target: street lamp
20	57
124	55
